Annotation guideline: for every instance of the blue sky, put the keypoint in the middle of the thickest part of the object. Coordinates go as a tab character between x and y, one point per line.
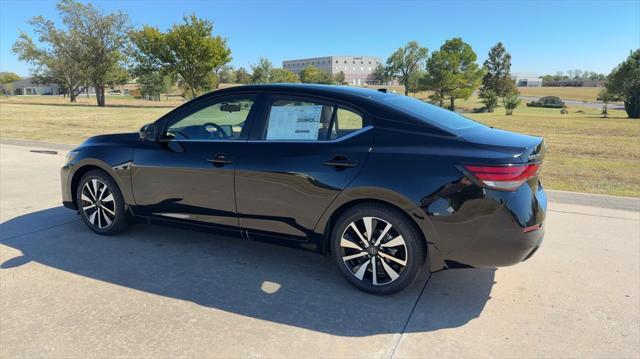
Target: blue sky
542	37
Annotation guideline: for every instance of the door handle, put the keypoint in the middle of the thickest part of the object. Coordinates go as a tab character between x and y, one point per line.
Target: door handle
220	159
340	162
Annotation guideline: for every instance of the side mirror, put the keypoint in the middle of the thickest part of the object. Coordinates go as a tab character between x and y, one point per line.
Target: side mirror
149	132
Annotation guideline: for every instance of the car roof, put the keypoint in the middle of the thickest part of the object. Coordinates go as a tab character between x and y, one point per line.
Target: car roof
355	93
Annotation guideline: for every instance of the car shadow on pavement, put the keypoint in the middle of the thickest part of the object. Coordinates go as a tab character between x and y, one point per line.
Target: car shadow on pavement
252	279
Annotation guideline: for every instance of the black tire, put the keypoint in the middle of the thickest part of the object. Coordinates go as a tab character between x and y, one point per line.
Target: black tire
410	249
106	214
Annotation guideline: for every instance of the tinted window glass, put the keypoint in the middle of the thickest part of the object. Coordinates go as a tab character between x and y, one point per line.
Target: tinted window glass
295	120
430	114
219	121
346	122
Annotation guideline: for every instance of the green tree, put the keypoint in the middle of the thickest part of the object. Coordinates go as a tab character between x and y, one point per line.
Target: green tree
416	83
511	102
380	75
489	99
452	72
102	38
219	72
227	75
624	81
56	60
405	61
339	78
313	75
210	82
261	72
283	76
497	79
188	49
242	76
153	84
7	77
605	96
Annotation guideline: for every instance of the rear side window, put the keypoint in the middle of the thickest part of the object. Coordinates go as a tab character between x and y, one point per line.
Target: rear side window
345	122
433	115
296	120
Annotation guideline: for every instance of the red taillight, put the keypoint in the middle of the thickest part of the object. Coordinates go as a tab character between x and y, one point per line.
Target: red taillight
506	178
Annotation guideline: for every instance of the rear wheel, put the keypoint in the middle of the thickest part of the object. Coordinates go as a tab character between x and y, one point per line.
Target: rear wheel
377	249
100	203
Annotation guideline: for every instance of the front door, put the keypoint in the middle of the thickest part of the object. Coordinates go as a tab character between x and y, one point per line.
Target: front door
189	174
305	153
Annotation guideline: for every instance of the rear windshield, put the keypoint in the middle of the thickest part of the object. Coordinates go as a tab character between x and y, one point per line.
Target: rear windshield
433	115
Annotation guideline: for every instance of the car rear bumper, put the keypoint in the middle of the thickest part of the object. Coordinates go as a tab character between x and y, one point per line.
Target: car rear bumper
489	250
478	227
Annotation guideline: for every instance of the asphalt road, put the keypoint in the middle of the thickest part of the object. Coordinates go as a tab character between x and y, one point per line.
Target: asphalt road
591	104
163	292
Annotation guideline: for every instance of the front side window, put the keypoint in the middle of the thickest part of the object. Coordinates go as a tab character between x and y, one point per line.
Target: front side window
222	120
294	120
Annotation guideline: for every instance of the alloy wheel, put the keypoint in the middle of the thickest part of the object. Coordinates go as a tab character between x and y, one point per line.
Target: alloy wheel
98	203
373	250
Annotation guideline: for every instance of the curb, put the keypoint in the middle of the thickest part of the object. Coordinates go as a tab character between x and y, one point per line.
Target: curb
38	144
594	200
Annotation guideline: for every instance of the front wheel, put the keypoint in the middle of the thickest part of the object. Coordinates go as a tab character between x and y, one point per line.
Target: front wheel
101	203
377	249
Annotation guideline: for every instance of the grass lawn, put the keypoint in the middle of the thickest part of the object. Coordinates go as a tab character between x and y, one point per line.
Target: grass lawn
585	153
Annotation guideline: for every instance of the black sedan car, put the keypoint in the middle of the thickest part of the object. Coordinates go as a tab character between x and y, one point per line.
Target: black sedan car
388	185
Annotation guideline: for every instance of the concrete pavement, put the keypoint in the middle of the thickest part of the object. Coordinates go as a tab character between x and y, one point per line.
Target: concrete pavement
163	292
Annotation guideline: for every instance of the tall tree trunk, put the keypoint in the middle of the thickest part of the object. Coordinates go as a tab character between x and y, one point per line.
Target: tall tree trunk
406	87
72	96
100	95
452	107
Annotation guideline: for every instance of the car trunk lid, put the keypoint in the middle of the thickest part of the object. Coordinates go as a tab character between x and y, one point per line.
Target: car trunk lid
519	148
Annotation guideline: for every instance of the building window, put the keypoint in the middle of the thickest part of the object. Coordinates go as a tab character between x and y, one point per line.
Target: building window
369	62
336	61
361	62
354	62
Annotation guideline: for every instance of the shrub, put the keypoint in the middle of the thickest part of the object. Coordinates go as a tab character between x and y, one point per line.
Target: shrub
489	99
510	102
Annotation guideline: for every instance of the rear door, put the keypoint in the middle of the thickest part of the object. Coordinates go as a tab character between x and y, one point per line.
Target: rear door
304	151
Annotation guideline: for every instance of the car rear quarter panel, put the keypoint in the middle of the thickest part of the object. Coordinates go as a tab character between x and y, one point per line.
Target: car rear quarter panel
416	172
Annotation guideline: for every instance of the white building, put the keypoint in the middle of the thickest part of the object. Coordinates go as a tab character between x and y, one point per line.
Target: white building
358	70
28	87
524	79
